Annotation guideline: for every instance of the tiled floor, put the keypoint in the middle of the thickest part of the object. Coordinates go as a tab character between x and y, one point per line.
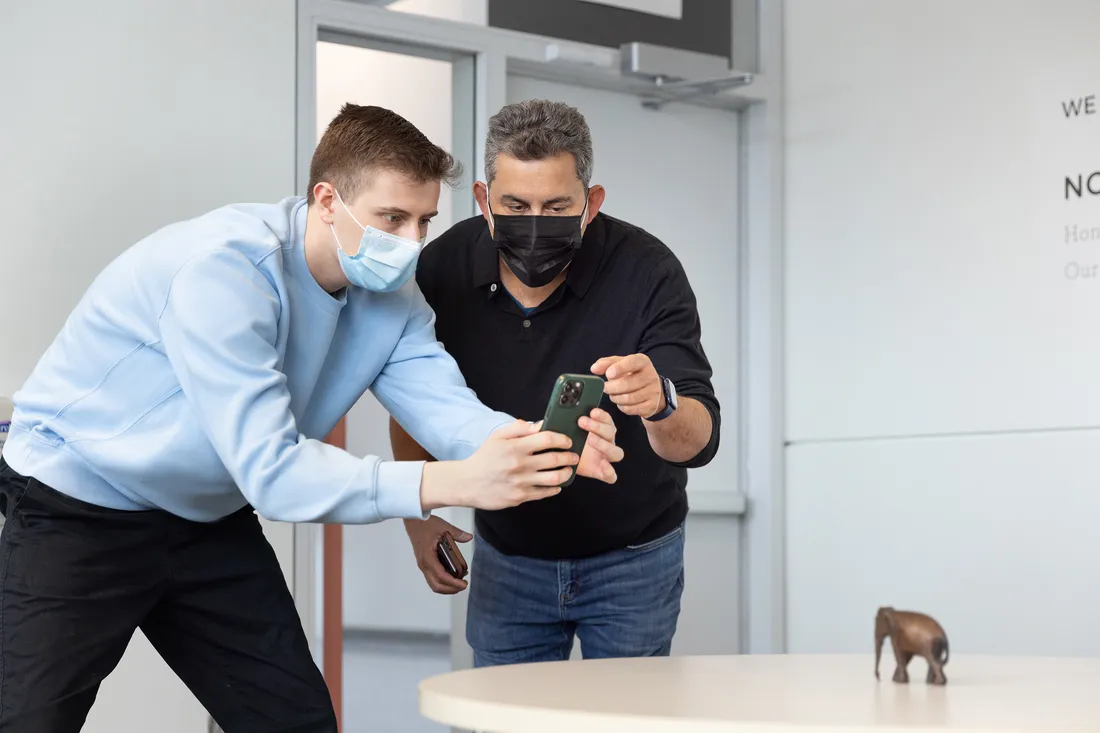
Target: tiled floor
380	679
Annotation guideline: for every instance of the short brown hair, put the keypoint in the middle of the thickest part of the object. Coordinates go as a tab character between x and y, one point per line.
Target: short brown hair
361	139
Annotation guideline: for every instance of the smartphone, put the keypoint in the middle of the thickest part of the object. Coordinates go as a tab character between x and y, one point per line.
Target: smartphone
574	397
449	555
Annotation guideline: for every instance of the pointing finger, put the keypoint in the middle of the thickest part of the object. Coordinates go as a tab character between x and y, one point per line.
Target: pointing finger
627	365
601	365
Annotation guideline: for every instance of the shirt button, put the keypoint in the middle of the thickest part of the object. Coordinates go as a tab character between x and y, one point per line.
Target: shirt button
493	288
527	324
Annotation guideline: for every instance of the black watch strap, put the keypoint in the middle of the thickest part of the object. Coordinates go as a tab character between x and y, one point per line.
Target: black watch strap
670	401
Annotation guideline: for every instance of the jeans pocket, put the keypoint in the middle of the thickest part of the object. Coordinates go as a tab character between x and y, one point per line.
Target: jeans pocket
659	542
13	487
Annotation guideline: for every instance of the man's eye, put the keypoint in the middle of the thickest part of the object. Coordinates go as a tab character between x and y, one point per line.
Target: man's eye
393	218
425	222
516	208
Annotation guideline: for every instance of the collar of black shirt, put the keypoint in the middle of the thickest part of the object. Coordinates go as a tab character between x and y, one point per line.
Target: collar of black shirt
582	270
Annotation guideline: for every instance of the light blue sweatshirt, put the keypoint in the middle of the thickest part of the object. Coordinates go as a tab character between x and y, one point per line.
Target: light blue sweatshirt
205	365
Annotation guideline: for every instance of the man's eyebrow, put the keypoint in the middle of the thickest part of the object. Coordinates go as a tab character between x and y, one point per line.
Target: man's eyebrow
394	211
509	198
391	210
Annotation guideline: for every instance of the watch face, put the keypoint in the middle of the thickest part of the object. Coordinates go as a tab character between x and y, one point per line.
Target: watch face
670	393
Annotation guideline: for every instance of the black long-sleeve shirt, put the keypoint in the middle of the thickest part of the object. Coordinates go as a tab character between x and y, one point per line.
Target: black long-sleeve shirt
625	293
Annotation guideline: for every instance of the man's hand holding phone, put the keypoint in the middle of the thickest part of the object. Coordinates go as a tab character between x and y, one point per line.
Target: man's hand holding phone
521	463
426	537
600	451
504	472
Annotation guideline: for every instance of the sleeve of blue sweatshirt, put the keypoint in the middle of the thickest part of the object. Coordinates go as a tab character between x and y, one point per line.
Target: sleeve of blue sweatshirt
423	389
219	327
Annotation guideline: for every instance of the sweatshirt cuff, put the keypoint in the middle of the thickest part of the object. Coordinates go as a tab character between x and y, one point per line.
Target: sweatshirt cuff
397	494
475	433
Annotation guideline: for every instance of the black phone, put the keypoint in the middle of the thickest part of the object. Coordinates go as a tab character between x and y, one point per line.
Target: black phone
451	557
574	396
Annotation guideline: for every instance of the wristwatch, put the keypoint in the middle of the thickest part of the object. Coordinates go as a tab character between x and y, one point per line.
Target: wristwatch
670	400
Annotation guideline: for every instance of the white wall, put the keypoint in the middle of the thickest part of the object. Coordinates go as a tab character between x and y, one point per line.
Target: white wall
121	116
383	589
941	367
674	173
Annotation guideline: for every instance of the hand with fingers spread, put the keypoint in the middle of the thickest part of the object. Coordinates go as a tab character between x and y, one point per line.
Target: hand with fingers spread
424	535
509	468
632	384
600	450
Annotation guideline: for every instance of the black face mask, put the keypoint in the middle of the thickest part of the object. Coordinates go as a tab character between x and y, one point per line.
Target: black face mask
537	248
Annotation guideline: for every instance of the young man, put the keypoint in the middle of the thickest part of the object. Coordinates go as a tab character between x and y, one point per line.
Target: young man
543	284
194	383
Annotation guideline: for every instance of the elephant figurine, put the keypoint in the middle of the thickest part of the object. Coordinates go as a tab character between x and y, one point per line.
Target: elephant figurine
911	634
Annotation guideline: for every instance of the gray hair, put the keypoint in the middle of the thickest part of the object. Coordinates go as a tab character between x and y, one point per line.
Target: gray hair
538	129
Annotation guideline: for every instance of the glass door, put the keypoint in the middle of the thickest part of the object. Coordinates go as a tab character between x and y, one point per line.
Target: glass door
377	629
395	630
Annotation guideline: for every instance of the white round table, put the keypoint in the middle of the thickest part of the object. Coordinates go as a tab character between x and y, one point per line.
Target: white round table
769	694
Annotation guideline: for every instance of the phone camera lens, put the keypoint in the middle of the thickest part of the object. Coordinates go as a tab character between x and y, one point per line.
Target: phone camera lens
571	393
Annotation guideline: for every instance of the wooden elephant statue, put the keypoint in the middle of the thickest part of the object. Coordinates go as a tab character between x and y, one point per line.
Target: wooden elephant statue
911	634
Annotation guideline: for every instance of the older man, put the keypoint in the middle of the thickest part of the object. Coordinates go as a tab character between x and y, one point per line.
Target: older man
543	284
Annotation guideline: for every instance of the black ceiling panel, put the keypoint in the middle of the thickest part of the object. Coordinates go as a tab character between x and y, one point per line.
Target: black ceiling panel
705	25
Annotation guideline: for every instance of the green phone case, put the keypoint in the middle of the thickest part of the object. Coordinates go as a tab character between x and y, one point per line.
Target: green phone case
566	407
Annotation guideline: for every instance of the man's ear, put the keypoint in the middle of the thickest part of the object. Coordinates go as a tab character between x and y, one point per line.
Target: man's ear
324	197
596	196
481	194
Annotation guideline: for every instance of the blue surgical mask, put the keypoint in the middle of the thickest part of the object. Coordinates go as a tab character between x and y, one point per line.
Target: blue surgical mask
384	261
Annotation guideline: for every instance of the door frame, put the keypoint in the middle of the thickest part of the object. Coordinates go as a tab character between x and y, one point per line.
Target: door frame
493	54
474	65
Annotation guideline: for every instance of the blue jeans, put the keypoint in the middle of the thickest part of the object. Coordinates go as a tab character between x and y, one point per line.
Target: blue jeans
619	604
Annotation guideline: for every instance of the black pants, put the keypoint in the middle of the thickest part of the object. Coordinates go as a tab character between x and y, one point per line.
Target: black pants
76	581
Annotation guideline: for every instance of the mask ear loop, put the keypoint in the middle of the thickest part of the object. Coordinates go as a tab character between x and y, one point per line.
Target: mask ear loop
339	246
489	208
341	200
584	214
